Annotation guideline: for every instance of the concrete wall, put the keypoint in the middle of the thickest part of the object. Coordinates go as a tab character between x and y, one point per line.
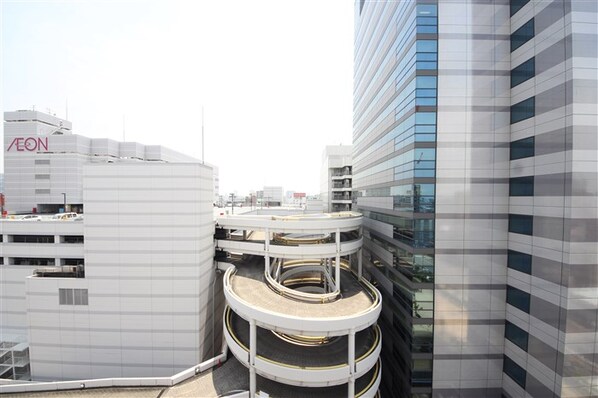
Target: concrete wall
149	274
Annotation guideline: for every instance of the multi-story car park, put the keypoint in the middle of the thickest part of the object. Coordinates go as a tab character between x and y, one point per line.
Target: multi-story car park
298	312
475	167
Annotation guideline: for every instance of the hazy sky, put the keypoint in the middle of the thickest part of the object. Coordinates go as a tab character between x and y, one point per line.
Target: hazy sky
275	78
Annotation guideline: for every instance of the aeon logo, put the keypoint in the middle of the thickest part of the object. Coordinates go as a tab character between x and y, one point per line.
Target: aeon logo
29	144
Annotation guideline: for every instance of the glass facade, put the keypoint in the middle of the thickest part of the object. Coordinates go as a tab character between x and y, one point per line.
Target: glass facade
394	162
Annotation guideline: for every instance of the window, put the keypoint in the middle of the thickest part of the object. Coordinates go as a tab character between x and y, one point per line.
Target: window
42	176
522	35
42	161
425	82
72	296
72	239
427	56
516	335
522	148
31	261
523	110
517	5
521	186
521	224
523	72
33	238
427	21
42	191
518	298
518	261
514	371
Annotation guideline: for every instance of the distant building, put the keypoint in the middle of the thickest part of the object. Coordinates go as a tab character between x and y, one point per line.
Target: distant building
43	161
272	196
336	178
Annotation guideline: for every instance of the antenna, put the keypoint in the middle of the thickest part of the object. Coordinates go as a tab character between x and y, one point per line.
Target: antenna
67	109
123	128
202	137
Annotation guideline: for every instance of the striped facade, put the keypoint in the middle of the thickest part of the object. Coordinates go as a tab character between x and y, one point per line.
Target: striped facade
475	163
149	275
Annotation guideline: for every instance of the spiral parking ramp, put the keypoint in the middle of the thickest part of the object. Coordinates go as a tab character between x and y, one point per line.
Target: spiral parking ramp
298	312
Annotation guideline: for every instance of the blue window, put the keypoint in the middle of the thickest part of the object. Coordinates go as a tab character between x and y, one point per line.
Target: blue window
518	298
425	82
521	186
425	118
426	46
516	5
518	261
523	110
427	10
514	371
521	224
522	35
523	72
516	335
522	148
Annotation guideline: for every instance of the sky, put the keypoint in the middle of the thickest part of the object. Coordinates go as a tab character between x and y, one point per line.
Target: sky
274	78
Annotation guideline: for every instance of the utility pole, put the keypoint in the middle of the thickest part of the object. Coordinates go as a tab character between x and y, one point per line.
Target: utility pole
232	203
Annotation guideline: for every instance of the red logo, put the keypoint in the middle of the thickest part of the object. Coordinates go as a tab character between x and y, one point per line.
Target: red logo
29	144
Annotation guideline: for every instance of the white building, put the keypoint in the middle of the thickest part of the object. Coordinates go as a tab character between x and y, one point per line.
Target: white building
126	292
272	195
336	178
43	161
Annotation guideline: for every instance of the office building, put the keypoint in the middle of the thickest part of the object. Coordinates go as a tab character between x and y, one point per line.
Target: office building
335	178
475	167
126	290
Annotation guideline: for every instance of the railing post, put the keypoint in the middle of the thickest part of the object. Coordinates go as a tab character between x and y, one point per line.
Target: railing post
252	353
351	385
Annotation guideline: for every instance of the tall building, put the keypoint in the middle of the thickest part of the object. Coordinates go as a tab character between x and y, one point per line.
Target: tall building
335	178
475	166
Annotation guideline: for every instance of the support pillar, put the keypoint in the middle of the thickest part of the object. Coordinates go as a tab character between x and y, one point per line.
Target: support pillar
359	264
337	278
252	354
351	361
267	249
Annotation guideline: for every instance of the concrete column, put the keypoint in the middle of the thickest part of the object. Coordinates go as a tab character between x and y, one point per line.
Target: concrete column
351	385
337	278
267	248
359	263
252	354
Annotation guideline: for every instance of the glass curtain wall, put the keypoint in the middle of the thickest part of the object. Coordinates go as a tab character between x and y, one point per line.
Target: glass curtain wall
394	138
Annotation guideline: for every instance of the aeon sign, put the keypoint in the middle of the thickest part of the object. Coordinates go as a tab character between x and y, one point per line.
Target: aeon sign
28	144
